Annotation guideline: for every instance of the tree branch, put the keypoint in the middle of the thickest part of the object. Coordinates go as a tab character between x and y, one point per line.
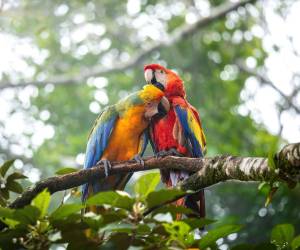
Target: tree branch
208	171
176	36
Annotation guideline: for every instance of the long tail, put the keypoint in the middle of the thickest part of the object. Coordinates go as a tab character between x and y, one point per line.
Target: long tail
196	201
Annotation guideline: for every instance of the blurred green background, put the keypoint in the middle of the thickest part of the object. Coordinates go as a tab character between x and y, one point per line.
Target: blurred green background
45	125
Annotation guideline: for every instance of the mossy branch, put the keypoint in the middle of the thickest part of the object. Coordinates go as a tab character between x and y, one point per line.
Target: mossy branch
207	171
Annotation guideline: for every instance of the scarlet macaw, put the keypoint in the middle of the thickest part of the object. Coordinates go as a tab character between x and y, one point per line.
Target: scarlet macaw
119	134
179	132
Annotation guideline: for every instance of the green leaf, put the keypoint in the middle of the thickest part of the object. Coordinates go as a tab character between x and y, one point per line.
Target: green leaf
265	246
264	188
27	215
173	210
162	196
146	184
282	235
4	193
3	201
177	228
7	216
10	222
271	161
296	243
109	216
198	222
118	199
180	231
94	221
118	227
143	229
120	241
6	238
65	210
5	166
42	201
14	187
15	176
66	171
213	235
6	212
261	246
243	246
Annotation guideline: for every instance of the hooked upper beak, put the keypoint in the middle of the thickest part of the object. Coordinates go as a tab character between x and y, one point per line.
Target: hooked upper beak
150	79
158	110
148	75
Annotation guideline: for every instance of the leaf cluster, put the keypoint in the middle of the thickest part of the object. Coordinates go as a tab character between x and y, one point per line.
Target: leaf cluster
121	221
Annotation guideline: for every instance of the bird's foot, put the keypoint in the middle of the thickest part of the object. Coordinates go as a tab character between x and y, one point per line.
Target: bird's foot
106	165
139	159
170	152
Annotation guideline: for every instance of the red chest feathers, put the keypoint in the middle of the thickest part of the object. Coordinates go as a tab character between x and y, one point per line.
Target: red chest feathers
163	133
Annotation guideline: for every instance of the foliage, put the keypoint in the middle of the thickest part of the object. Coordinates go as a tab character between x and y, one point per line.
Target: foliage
8	183
122	223
68	37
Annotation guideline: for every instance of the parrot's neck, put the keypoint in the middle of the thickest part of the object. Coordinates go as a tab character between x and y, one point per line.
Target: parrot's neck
175	89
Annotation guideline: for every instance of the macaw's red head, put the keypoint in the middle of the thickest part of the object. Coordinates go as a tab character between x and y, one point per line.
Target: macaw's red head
165	79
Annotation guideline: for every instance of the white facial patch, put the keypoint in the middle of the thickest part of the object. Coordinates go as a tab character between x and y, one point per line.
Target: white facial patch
148	75
161	77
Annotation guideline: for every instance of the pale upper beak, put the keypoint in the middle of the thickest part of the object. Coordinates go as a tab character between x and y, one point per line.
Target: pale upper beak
154	108
148	75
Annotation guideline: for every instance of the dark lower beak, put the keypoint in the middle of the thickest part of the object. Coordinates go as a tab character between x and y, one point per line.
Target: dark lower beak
157	84
163	108
151	79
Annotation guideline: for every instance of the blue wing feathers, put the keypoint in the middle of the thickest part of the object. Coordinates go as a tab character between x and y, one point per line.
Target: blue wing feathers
188	133
97	143
145	139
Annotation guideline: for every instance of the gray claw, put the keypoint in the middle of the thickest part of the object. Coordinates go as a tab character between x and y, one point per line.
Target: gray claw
174	152
139	159
162	153
165	153
106	165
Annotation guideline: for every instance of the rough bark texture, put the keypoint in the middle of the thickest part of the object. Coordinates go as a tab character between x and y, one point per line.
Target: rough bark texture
208	171
223	168
181	33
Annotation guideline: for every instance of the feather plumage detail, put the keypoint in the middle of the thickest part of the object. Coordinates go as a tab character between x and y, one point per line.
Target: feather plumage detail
180	129
118	134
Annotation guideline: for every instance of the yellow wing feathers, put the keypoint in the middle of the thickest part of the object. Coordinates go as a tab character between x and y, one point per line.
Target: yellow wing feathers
196	128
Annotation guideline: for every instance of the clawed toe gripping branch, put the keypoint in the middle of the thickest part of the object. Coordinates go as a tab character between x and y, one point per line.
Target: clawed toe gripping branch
207	171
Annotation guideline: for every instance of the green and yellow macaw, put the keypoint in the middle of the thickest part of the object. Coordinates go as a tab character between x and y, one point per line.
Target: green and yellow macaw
119	134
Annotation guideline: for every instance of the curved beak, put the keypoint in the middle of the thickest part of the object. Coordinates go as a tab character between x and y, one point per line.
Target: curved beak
157	109
148	75
165	104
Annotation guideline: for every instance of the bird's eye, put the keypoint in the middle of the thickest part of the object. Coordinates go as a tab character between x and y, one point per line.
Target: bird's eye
161	71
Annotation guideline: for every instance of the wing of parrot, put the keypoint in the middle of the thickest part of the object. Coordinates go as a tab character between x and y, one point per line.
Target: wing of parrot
98	140
192	130
143	142
190	125
203	138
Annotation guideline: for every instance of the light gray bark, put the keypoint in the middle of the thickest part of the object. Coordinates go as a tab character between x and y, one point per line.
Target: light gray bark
207	171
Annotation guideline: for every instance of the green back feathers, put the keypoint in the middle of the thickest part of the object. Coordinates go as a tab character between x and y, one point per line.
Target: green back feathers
147	94
116	110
